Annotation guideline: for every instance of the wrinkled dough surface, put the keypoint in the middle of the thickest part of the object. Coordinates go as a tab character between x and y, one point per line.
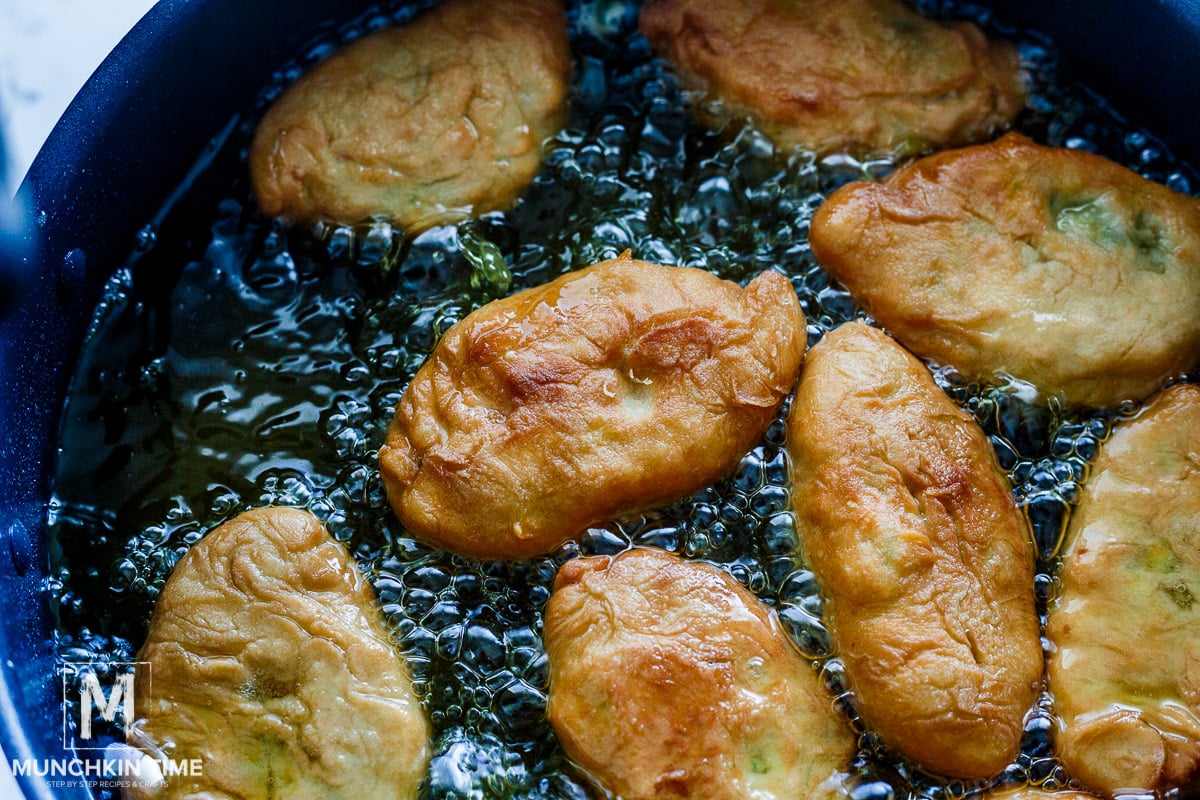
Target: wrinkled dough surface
1126	624
269	662
924	560
669	680
610	389
869	76
433	121
1056	266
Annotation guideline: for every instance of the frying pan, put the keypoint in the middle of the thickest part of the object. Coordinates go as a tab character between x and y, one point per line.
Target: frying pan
144	118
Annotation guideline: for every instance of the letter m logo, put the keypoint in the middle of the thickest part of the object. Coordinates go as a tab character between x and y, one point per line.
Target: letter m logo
91	698
100	697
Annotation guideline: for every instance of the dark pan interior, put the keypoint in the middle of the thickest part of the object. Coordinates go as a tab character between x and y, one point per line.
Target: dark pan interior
145	117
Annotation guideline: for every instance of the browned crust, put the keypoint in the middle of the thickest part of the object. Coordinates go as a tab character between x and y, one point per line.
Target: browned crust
922	555
669	680
1125	670
611	389
429	122
269	661
1055	266
869	76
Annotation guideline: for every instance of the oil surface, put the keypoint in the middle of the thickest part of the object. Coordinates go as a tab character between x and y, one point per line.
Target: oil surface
236	363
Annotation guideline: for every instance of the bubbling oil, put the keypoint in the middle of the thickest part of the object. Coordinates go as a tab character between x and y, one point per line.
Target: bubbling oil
235	363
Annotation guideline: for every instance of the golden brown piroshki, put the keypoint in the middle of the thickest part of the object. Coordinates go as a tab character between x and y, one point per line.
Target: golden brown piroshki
868	76
432	121
268	660
1125	668
671	681
608	390
924	560
1055	266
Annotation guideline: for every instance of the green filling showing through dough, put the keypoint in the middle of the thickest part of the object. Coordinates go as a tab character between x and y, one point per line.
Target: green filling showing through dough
1092	220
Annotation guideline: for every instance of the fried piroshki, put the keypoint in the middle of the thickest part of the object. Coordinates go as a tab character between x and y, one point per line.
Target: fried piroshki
923	558
608	390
